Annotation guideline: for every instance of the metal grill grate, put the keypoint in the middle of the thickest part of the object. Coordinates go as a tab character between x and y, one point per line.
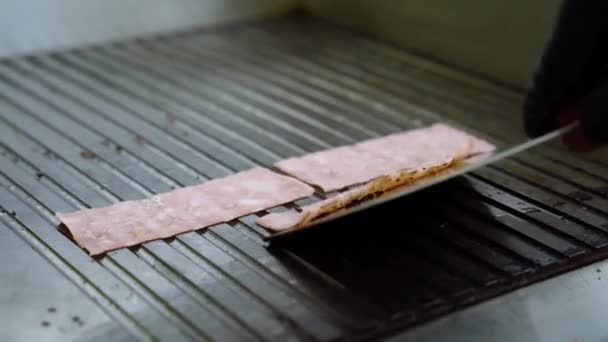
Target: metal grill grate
93	126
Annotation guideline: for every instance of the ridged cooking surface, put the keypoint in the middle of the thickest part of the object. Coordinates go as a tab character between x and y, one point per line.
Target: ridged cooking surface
90	127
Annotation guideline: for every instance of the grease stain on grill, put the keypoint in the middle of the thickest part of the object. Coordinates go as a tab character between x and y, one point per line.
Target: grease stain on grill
77	320
48	154
88	154
170	119
139	140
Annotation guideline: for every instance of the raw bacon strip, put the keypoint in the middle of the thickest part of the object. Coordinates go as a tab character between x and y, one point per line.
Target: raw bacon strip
220	200
310	213
341	167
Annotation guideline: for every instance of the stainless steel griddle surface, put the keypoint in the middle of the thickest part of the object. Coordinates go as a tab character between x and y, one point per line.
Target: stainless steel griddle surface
93	126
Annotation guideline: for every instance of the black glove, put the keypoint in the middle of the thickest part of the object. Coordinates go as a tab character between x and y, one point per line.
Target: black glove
572	79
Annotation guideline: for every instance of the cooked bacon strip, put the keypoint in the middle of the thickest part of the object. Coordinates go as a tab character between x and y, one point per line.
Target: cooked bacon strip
220	200
310	213
341	167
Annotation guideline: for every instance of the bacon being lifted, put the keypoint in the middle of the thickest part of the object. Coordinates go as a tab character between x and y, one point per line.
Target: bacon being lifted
219	200
341	167
376	187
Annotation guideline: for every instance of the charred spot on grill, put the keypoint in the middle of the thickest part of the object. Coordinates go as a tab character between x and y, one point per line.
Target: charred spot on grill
39	175
119	149
88	154
170	119
77	320
48	154
139	139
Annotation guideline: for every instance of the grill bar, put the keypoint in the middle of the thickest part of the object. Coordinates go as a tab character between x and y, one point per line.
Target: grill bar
93	126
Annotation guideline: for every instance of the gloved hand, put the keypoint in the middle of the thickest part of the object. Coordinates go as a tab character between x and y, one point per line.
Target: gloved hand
571	82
